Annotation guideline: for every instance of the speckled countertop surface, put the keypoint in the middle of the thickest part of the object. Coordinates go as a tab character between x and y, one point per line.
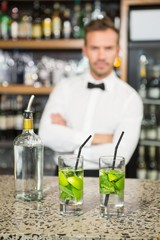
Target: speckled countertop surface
41	220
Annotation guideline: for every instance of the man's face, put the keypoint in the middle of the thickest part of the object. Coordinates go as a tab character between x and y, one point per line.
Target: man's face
101	49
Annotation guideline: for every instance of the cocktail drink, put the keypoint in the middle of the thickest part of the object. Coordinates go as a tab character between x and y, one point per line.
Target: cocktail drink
70	185
111	186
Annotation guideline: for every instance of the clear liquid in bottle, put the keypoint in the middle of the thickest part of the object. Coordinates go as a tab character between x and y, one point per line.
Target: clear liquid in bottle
28	162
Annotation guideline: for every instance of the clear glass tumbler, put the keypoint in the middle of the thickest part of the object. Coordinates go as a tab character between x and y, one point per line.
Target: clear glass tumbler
70	176
111	186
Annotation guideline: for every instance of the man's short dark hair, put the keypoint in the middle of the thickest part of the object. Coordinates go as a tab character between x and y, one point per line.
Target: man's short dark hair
100	25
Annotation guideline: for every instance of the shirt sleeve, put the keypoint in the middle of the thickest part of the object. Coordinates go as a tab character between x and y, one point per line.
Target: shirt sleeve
57	137
130	123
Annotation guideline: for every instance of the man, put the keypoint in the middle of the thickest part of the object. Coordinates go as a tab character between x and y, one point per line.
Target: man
76	108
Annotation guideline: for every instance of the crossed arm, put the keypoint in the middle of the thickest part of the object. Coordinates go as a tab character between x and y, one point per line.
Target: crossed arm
57	118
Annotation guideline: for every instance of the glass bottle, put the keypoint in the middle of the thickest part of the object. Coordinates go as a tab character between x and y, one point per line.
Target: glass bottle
87	13
4	21
141	169
77	21
28	161
154	83
47	24
143	76
151	119
158	121
56	21
97	12
36	21
152	172
67	28
14	23
25	27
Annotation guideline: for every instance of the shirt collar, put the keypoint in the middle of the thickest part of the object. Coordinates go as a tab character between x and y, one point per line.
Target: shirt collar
109	81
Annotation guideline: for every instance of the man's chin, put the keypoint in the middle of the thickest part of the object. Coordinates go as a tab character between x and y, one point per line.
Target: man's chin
101	73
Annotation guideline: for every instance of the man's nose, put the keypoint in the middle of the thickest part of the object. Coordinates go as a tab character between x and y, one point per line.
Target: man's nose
101	54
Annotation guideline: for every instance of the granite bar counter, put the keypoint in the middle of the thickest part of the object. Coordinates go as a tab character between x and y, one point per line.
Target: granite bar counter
41	220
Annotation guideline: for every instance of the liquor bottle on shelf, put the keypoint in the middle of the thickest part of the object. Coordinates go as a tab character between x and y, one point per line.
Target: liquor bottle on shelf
36	21
151	119
56	21
154	83
87	13
145	123
77	21
66	24
143	131
14	27
47	24
158	121
117	21
25	27
143	76
20	69
30	71
97	12
5	68
4	21
152	172
141	169
28	160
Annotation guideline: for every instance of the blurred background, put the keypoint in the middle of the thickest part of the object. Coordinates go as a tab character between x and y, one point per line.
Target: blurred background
40	42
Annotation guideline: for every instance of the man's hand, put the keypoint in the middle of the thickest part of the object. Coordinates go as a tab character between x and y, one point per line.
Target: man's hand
57	118
102	139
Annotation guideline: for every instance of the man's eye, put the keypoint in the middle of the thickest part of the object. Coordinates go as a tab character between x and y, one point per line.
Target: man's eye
108	48
94	48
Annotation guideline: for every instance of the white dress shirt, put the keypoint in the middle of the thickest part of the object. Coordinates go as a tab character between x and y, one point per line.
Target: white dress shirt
89	111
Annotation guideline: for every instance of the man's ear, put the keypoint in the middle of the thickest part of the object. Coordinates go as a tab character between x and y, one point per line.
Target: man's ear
118	51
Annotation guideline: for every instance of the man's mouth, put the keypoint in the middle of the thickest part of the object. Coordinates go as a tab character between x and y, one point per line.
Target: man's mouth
100	64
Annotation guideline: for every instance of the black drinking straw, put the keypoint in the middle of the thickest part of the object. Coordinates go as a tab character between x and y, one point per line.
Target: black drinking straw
80	149
113	165
115	151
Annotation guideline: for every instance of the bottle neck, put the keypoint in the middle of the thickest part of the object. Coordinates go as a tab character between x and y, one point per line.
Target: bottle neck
28	121
27	124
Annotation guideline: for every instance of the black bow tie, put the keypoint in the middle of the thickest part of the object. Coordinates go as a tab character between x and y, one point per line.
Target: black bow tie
92	85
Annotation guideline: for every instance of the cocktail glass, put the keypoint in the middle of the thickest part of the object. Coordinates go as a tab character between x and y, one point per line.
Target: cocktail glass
111	186
70	184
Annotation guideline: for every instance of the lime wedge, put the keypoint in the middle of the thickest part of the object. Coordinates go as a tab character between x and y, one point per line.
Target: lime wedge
103	172
64	196
66	193
77	194
115	175
111	177
62	179
75	182
120	183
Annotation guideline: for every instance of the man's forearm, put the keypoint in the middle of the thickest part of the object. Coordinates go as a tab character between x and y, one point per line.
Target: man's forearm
102	139
57	118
